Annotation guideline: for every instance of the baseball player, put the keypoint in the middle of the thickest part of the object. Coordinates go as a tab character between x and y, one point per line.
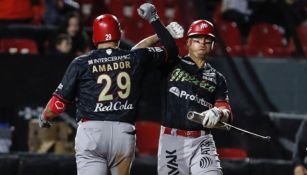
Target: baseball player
186	147
105	86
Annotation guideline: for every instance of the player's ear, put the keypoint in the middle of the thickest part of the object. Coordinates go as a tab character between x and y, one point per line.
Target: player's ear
188	42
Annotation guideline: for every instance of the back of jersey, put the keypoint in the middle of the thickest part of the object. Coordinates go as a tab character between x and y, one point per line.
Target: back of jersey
105	84
108	86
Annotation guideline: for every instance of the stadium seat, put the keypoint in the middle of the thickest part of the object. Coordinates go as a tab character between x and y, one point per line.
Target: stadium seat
302	35
115	7
18	46
217	14
136	30
147	137
169	10
230	34
265	40
231	153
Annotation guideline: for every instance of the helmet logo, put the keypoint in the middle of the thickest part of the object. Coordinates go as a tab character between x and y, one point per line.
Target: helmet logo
203	25
108	36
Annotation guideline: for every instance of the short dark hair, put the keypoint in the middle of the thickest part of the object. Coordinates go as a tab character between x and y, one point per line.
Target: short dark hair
62	37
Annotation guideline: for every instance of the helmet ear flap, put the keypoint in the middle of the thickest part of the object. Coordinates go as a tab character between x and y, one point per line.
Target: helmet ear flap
212	45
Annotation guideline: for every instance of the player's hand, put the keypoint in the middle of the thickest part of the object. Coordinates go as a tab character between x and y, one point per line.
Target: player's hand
211	117
175	29
148	12
300	170
43	123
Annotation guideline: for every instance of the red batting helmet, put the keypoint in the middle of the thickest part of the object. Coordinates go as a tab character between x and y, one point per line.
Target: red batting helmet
106	28
201	27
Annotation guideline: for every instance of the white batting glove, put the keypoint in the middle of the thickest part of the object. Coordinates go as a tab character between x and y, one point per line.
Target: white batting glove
175	29
211	117
148	12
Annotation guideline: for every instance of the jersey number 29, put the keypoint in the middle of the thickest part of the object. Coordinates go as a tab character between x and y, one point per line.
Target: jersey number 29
123	83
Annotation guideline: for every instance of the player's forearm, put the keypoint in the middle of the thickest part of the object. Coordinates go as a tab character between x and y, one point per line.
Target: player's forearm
224	117
165	37
147	42
48	114
54	108
225	108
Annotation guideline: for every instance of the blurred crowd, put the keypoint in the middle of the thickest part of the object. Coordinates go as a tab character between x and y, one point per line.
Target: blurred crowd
269	28
72	19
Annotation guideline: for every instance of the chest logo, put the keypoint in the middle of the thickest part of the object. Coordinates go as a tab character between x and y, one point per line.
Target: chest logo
179	75
175	91
191	97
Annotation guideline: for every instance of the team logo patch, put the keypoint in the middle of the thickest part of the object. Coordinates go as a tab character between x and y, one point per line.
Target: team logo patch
205	162
175	91
90	62
172	164
59	105
203	25
109	51
191	97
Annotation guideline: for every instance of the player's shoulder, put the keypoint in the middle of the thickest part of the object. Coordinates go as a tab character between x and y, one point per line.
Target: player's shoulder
147	49
209	68
82	59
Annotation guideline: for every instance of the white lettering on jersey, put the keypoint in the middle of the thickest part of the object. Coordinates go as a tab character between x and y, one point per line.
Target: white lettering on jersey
155	49
117	106
60	86
108	36
210	76
109	59
192	97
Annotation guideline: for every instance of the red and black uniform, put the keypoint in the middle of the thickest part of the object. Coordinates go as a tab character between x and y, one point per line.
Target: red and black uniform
190	88
105	84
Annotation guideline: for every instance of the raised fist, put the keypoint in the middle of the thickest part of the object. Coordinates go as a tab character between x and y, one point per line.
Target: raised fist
175	29
148	12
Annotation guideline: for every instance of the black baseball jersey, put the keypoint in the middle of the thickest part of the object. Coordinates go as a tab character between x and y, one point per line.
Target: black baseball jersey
190	88
105	84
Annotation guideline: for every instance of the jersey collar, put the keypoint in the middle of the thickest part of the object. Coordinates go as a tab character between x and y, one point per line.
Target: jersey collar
188	60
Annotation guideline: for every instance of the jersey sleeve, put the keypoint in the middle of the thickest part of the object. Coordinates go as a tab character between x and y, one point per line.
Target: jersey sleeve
152	56
222	90
166	39
67	88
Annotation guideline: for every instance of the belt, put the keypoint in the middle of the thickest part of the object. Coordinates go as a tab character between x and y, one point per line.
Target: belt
183	133
84	119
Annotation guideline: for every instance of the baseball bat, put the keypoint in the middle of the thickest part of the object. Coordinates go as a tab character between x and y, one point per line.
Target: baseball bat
198	118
